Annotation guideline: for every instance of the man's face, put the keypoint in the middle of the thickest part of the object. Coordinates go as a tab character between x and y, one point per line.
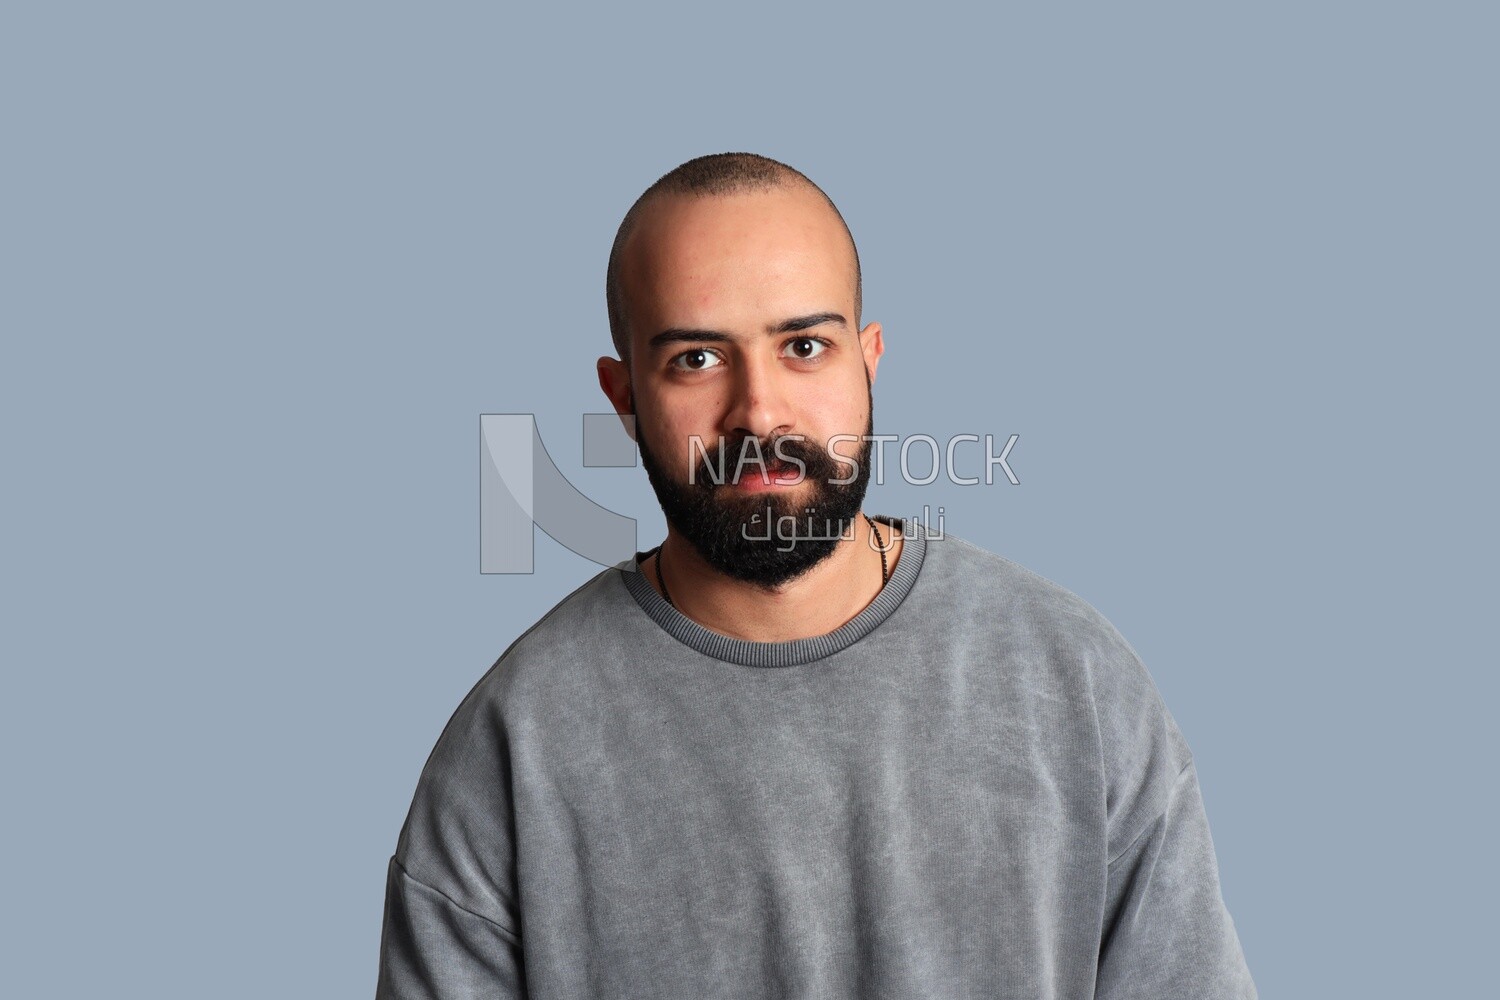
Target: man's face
741	312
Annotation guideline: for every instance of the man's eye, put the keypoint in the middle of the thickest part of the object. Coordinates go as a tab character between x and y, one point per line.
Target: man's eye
696	361
804	348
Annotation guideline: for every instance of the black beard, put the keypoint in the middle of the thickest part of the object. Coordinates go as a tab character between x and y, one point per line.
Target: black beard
715	522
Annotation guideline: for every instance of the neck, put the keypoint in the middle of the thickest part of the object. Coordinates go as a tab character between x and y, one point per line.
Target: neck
815	603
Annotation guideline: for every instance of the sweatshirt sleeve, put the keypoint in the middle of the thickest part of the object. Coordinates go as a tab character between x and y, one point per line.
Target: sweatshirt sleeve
1164	932
433	949
452	927
1167	933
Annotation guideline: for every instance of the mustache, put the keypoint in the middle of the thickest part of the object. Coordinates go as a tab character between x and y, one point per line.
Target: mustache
730	457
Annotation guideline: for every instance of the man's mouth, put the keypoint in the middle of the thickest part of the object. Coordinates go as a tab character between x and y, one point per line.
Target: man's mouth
771	475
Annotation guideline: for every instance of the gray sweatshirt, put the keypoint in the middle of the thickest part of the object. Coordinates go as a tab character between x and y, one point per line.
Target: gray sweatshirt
971	789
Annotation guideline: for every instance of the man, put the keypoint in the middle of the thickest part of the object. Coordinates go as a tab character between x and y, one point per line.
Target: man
790	752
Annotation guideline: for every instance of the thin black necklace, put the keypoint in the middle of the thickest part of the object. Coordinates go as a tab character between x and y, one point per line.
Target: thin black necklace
885	573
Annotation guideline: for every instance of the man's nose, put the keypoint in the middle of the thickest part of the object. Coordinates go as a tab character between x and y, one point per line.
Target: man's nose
761	405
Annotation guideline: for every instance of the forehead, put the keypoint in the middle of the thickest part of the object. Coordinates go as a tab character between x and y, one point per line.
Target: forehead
711	259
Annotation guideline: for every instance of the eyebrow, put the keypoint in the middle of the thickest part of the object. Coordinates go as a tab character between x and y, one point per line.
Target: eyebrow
678	335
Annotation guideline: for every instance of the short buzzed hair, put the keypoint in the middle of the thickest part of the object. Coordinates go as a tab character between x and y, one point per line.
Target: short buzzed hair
705	176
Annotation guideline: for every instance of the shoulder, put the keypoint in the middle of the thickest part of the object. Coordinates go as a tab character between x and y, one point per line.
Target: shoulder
455	838
476	735
582	628
1001	594
1041	622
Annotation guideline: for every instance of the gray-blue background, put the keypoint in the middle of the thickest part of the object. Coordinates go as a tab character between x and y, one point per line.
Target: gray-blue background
1229	272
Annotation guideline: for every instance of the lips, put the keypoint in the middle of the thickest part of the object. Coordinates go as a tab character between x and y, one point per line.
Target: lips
774	474
784	474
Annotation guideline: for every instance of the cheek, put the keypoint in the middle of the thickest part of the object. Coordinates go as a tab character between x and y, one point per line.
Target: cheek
672	436
841	410
689	411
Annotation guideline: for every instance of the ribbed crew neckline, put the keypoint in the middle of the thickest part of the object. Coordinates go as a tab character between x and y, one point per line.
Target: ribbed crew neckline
795	652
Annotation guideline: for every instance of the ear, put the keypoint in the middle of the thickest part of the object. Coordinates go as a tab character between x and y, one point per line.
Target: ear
872	346
614	379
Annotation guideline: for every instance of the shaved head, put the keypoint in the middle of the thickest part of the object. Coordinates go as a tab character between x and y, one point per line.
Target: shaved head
704	177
